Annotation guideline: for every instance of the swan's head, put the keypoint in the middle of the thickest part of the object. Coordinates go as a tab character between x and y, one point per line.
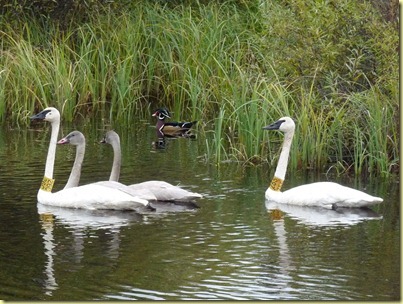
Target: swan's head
284	124
49	114
110	137
162	113
74	138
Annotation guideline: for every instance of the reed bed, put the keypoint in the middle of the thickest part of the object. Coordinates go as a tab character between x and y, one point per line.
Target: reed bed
233	70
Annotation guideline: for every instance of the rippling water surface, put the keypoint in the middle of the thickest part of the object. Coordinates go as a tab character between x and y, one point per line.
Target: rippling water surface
234	247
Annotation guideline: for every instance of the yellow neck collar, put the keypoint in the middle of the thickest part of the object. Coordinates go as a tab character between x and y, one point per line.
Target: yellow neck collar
276	184
47	184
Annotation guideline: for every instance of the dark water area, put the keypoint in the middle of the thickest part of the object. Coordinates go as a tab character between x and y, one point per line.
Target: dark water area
234	247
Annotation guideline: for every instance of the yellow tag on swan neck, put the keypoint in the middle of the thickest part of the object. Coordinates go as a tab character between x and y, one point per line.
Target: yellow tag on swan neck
47	184
276	184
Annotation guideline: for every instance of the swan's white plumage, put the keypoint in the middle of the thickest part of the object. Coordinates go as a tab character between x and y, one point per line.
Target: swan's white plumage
88	196
92	197
323	194
163	191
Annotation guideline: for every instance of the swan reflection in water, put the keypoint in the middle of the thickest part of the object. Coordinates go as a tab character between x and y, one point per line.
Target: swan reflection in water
311	217
79	221
318	216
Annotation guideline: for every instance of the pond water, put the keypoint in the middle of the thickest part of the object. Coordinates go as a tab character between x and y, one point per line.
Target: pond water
234	247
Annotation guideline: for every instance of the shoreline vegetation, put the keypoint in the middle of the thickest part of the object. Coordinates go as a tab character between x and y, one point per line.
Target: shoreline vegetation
235	66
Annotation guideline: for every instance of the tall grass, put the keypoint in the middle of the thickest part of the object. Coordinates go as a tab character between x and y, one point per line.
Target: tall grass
233	70
379	133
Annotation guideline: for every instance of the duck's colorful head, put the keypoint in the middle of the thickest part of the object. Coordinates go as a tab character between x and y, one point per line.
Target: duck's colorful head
162	113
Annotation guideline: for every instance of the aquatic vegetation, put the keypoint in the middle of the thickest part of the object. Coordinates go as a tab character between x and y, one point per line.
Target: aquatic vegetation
233	67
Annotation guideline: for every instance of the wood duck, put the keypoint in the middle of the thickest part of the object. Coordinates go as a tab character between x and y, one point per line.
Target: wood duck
172	129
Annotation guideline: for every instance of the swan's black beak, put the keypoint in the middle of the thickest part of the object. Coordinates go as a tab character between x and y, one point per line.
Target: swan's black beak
40	115
103	140
274	126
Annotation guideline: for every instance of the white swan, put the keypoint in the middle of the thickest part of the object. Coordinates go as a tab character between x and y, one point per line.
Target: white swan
323	194
88	196
76	138
162	190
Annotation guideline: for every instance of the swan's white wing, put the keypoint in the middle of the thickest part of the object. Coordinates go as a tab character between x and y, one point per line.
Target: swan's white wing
328	195
92	197
166	192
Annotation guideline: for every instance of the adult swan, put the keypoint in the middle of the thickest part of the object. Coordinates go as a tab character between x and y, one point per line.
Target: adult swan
90	196
323	194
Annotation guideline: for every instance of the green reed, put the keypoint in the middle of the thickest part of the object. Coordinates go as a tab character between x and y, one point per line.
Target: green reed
233	70
381	133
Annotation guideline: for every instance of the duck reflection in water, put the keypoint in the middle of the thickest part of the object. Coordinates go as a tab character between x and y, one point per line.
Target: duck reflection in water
159	144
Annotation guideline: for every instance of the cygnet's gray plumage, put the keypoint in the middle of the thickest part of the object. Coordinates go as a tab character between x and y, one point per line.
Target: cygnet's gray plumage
163	191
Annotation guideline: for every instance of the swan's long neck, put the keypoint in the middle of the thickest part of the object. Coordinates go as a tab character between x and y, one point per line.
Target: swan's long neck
75	174
117	160
47	182
281	169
